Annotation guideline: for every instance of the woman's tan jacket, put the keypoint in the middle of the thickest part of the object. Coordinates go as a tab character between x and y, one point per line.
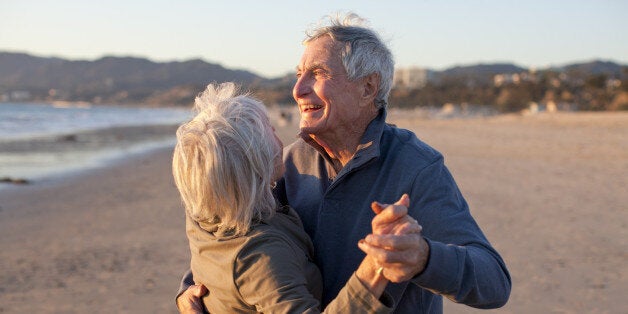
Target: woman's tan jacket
269	270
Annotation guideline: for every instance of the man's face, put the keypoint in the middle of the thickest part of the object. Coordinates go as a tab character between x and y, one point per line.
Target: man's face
328	102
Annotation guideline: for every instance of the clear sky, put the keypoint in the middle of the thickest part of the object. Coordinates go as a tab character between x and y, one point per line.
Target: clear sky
265	36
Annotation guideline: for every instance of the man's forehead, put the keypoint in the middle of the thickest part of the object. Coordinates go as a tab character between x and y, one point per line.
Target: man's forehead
320	52
325	43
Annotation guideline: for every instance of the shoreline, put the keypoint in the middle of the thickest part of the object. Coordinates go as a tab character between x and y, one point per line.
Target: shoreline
54	157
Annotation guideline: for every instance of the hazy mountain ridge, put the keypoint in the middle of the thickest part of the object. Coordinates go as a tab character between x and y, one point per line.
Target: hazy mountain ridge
22	68
108	77
595	67
482	69
133	80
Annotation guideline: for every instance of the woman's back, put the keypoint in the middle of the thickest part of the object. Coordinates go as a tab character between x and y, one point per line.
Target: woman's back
270	269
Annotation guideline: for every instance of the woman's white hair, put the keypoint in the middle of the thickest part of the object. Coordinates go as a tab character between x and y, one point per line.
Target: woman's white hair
223	161
364	52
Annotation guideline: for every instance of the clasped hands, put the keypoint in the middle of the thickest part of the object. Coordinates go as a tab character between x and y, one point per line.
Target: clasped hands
396	244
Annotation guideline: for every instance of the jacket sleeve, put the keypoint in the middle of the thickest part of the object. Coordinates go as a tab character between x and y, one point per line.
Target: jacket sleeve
186	282
269	276
462	265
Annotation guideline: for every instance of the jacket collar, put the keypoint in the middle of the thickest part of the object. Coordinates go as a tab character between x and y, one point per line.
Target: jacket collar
368	149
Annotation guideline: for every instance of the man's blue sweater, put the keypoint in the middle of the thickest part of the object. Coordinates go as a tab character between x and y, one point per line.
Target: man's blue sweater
336	213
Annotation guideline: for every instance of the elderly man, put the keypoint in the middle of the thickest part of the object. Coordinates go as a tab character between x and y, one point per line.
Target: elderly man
348	157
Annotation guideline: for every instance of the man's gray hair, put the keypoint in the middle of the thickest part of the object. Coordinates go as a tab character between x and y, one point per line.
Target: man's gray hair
223	161
364	52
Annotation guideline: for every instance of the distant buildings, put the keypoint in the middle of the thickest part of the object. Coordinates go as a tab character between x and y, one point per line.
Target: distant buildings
410	78
514	78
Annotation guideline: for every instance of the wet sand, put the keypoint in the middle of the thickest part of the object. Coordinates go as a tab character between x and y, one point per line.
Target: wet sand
40	158
548	190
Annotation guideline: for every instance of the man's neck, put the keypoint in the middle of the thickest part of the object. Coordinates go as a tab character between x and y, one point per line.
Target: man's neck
341	150
342	142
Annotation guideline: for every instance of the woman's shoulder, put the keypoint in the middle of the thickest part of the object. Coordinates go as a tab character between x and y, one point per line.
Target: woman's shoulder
267	250
282	229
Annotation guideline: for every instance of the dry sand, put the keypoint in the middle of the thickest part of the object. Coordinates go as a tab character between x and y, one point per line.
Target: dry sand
550	192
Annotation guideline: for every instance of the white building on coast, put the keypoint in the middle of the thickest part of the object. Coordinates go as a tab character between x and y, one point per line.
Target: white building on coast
411	78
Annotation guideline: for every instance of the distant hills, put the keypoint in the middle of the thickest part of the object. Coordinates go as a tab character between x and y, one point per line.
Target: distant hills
482	69
131	80
484	73
608	68
591	67
108	79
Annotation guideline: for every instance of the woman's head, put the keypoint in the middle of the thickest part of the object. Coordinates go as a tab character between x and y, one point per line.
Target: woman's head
225	159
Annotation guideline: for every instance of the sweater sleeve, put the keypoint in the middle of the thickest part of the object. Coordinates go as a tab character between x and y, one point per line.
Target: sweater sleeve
462	265
186	282
269	276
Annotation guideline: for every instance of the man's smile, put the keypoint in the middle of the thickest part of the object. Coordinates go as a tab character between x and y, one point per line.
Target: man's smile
310	107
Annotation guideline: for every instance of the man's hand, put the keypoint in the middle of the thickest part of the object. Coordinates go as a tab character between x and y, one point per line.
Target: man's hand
189	302
394	219
396	242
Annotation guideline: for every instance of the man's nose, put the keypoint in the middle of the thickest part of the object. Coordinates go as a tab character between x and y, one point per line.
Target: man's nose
301	87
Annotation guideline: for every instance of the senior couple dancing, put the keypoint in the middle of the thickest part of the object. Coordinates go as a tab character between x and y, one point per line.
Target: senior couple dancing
355	216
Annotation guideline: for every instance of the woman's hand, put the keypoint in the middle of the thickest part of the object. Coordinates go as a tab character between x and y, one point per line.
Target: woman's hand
189	302
396	243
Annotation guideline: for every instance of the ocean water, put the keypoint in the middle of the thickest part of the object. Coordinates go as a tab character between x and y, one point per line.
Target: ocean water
43	141
25	121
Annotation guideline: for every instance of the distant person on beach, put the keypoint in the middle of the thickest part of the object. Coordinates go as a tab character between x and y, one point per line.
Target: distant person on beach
250	252
347	157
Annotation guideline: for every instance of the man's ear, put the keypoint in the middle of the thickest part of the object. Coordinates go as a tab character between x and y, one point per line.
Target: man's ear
371	86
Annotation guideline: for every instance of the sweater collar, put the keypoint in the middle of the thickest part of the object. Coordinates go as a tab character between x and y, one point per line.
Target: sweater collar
367	149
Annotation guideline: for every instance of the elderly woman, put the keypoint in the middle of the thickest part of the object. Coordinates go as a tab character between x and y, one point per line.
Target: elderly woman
252	254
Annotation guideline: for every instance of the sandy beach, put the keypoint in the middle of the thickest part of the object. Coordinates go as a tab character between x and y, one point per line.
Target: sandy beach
549	190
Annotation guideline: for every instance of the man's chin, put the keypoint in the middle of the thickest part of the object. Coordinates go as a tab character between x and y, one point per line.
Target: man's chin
307	128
